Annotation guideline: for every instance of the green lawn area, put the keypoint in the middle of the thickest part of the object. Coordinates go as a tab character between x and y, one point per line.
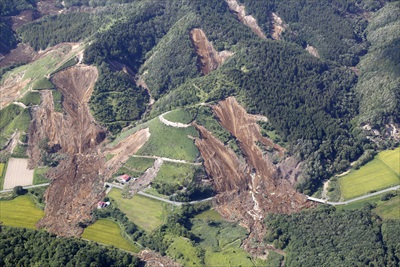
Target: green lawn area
175	173
145	212
2	173
20	212
170	142
179	115
57	99
391	158
38	176
222	241
183	251
377	174
109	233
30	98
209	215
389	209
139	164
13	117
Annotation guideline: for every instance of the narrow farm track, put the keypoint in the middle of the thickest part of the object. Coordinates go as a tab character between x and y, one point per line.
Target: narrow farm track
354	199
168	159
176	203
170	123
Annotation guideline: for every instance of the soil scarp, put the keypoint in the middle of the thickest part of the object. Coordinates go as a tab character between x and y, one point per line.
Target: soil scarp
249	189
77	181
208	59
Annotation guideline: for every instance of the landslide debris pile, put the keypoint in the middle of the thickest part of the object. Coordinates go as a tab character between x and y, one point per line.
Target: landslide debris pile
208	58
248	190
78	180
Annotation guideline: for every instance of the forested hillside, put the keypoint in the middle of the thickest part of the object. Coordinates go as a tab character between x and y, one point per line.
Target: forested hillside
340	238
23	247
310	102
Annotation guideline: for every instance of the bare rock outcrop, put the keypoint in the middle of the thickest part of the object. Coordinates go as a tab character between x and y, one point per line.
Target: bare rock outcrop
278	27
208	59
249	190
247	20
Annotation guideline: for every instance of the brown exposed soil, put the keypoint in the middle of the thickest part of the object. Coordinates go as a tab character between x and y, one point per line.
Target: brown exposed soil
248	190
23	54
78	180
208	59
123	150
277	27
247	20
154	259
76	186
10	89
312	50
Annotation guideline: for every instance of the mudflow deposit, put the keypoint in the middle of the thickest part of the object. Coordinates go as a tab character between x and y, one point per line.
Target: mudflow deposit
77	182
247	189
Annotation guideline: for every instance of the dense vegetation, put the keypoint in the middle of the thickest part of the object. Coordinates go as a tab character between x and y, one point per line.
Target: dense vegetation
23	247
333	27
52	30
379	80
335	238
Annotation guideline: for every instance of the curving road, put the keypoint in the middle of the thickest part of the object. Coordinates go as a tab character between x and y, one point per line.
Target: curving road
176	203
26	187
354	199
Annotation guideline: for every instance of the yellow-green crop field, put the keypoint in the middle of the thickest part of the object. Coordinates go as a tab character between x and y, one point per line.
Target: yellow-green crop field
2	172
389	209
109	233
145	212
380	173
20	212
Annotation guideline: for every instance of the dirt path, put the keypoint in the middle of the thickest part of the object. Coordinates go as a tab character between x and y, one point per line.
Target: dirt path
17	173
324	194
170	123
12	143
168	159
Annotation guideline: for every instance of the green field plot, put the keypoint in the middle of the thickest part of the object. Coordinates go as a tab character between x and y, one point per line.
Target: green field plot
57	99
175	173
109	233
374	175
179	115
13	118
20	212
139	164
209	215
389	209
30	98
391	158
2	173
43	84
183	251
38	176
144	212
170	142
222	241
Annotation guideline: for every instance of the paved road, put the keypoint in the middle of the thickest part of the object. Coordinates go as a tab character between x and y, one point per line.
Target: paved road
167	159
176	203
354	199
26	187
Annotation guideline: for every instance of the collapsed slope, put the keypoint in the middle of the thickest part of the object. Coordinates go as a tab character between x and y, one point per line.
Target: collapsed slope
208	58
75	136
250	189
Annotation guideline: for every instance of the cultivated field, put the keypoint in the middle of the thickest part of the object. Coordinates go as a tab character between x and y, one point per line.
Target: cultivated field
389	209
380	173
109	233
145	212
170	142
17	173
20	212
2	167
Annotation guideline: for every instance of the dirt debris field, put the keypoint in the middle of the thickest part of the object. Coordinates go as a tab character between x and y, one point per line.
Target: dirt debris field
18	173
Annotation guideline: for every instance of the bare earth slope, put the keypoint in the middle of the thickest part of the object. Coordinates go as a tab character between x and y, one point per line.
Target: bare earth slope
249	190
208	58
69	200
78	180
